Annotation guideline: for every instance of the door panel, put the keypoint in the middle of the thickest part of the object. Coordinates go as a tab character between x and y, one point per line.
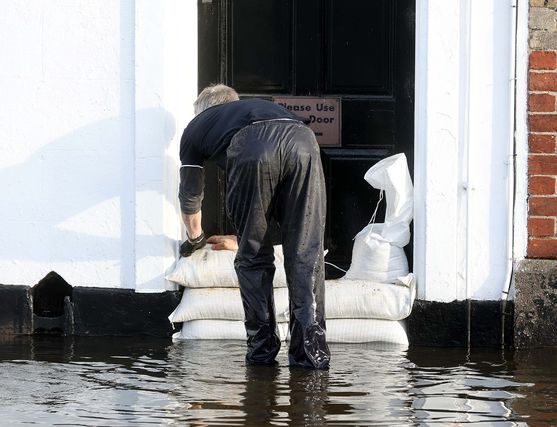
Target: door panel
359	50
359	47
368	122
260	36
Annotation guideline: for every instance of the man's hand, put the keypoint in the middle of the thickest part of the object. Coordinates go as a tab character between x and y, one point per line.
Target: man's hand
191	245
228	242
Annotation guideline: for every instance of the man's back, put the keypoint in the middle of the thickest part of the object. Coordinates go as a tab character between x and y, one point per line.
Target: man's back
208	135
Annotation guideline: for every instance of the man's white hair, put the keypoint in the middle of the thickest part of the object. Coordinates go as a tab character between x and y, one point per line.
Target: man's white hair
214	95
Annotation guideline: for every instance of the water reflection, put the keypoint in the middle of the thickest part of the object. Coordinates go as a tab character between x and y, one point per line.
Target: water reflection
309	402
139	381
452	385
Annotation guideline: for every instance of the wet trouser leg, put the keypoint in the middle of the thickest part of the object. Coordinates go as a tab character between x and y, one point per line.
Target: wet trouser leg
274	169
302	202
248	200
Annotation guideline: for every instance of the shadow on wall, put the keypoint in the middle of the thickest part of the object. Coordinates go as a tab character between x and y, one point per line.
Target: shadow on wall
73	200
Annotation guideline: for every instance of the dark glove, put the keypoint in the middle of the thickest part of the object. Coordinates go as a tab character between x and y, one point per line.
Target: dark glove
190	246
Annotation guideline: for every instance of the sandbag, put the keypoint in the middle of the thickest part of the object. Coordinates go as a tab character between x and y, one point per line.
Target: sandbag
363	299
378	253
366	330
211	329
375	259
344	299
338	331
392	176
221	304
207	268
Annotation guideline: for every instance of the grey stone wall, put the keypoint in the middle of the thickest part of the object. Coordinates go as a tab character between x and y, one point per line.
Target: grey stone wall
543	24
535	312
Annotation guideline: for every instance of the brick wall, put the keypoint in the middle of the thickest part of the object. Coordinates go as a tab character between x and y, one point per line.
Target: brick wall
542	121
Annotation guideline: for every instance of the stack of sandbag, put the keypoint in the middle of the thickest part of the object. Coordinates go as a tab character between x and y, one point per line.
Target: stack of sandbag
365	311
366	305
357	310
378	257
211	305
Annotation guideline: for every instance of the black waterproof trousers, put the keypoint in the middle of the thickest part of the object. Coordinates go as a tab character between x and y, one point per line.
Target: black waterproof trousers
274	170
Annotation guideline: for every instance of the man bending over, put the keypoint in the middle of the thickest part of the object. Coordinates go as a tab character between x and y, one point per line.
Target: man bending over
273	170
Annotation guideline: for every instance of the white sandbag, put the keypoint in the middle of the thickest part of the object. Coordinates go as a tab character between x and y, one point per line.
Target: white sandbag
377	254
338	331
207	268
366	330
219	330
375	259
221	304
363	299
392	176
344	299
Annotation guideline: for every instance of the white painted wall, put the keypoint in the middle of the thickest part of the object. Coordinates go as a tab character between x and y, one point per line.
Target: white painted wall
166	82
464	137
95	94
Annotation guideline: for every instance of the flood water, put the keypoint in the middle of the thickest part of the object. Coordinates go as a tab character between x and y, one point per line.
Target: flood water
144	381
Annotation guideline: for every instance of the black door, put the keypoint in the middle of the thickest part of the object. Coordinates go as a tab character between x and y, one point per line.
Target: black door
361	51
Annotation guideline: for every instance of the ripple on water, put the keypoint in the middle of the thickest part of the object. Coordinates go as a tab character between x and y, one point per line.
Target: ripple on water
140	381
